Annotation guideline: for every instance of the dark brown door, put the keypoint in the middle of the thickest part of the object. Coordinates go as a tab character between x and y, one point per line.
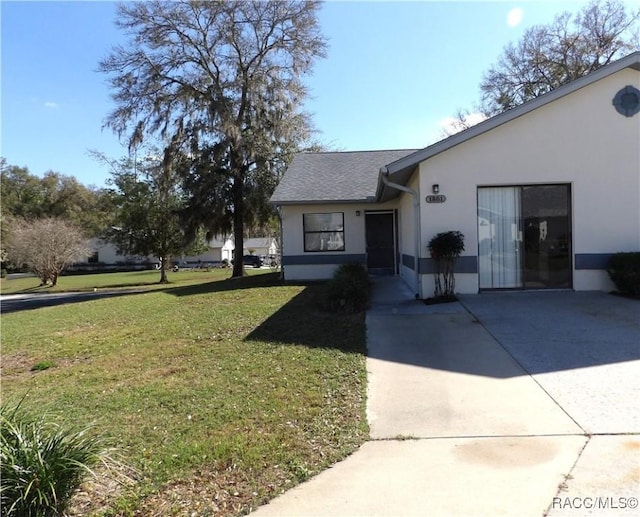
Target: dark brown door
380	243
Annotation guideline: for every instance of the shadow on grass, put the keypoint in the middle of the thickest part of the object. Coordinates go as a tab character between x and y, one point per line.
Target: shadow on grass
303	321
35	300
229	284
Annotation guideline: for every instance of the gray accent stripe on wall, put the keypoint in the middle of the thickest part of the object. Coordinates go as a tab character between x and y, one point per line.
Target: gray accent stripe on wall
592	260
407	261
322	259
464	264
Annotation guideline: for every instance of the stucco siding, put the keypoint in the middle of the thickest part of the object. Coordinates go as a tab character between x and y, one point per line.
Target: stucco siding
299	264
406	230
580	140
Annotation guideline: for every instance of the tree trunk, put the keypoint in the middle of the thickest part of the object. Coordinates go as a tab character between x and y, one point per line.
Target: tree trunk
238	225
163	270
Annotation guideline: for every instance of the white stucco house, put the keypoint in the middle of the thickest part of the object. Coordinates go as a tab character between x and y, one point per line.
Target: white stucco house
266	246
220	248
106	254
544	193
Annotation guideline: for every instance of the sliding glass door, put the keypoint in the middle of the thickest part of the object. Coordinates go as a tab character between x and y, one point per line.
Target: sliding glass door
499	238
524	237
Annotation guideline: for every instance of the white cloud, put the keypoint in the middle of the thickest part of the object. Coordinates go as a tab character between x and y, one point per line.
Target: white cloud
514	17
51	105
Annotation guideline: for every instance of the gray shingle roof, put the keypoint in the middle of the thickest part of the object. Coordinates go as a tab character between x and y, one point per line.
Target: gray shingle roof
354	176
334	176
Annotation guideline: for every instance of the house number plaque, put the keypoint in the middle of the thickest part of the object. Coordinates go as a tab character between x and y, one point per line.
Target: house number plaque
436	199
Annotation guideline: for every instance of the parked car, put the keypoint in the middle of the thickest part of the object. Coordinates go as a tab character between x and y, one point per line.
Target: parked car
251	260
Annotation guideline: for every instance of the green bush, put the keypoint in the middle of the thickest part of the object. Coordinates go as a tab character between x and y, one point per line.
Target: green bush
445	248
348	290
624	271
3	273
41	464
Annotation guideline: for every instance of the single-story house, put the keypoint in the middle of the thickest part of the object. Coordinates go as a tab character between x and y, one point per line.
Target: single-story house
544	194
261	246
106	254
220	248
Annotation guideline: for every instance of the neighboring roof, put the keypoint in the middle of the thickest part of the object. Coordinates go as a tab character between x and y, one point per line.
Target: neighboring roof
400	171
343	177
334	177
258	242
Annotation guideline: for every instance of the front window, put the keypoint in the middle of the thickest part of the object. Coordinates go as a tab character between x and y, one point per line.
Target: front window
324	232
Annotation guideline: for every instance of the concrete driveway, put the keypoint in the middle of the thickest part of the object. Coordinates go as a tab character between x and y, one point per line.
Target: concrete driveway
501	404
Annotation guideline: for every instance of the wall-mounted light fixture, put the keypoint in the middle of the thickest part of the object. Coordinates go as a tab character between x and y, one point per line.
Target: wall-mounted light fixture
358	213
435	188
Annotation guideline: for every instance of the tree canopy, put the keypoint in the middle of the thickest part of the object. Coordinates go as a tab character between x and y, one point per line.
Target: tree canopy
148	204
222	81
548	56
28	196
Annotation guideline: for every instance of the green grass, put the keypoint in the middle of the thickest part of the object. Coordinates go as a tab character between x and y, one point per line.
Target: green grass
42	365
220	394
129	279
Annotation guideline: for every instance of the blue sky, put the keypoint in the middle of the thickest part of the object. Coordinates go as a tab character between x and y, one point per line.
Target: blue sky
395	71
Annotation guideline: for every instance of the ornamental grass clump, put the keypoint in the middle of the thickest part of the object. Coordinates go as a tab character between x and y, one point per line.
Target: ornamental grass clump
41	464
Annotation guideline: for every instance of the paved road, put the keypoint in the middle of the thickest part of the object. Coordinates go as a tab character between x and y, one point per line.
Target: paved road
20	302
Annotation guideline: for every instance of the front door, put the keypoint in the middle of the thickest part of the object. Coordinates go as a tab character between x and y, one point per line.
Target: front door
524	237
380	237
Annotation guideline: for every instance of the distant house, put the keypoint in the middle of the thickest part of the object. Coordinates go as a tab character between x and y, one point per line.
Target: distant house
106	255
220	249
261	246
544	193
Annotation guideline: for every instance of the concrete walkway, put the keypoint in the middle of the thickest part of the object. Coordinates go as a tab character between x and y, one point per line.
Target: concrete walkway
459	428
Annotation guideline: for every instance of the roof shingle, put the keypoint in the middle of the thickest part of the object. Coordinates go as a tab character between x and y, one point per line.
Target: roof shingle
334	176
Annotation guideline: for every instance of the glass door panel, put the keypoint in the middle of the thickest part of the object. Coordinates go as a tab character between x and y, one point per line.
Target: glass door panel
500	237
547	249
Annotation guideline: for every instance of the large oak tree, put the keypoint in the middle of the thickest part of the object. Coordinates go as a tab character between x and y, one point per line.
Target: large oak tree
222	80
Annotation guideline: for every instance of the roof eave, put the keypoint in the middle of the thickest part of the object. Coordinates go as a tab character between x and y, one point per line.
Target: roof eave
631	61
322	201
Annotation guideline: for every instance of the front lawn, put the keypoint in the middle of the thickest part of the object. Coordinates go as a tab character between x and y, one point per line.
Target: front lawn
127	279
219	396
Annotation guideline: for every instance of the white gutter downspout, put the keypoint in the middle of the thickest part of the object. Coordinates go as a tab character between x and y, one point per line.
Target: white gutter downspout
281	239
384	174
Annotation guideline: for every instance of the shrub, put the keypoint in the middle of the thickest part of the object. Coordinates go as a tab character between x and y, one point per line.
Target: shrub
624	271
3	273
41	464
445	248
348	290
